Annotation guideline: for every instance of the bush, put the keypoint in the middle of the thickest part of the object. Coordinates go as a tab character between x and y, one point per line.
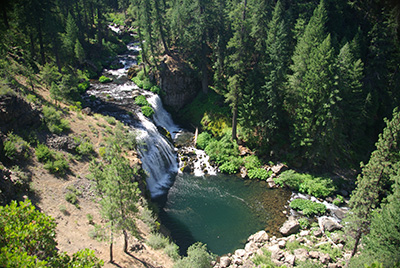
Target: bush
223	150
147	84
157	241
59	165
82	87
15	147
147	111
111	120
308	207
84	148
306	183
54	122
230	167
141	101
304	223
137	81
104	79
172	250
155	90
338	200
71	197
259	173
43	153
318	187
203	139
263	260
197	257
251	162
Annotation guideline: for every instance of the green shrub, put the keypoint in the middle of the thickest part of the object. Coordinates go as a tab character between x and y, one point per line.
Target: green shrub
197	257
223	150
304	223
338	200
155	90
333	252
147	111
251	162
137	81
59	165
203	139
317	186
43	153
306	183
308	207
53	120
71	197
259	173
172	250
229	167
141	101
111	120
82	87
85	148
104	79
15	147
157	241
291	179
32	98
147	84
263	260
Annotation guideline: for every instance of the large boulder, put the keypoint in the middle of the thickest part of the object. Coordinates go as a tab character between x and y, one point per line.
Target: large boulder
259	237
224	262
329	224
291	226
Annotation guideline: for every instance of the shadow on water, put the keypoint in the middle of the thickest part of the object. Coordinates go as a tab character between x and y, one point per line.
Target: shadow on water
179	232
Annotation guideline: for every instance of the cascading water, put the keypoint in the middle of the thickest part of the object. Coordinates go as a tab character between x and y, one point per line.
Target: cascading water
221	211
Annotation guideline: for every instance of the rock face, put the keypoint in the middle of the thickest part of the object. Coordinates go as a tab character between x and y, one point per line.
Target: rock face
16	113
179	83
291	226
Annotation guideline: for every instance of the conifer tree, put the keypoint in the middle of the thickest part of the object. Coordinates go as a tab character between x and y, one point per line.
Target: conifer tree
374	184
115	184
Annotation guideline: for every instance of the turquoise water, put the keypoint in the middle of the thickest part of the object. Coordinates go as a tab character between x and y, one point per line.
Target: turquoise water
221	211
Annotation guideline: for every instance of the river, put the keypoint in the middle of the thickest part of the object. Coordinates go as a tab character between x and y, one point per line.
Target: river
219	210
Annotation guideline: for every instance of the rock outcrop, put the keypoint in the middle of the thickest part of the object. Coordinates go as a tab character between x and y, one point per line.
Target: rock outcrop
178	81
16	114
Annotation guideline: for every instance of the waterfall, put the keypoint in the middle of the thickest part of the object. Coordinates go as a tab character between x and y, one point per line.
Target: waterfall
159	158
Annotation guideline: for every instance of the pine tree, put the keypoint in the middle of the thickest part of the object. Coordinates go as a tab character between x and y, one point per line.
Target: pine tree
375	181
115	184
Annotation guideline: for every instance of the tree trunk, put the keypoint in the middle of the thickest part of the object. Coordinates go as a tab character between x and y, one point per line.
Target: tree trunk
41	45
5	17
234	119
125	241
33	52
111	247
358	237
166	50
204	72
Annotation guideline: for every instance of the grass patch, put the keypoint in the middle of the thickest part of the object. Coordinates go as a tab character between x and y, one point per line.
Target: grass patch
104	79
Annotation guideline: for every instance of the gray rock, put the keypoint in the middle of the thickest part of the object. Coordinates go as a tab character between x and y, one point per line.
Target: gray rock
259	237
277	255
240	253
281	243
290	259
291	226
324	258
314	254
224	262
317	233
279	168
329	224
86	111
250	247
301	254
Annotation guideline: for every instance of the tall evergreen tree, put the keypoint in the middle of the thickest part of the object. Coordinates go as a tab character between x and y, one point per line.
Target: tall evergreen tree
374	184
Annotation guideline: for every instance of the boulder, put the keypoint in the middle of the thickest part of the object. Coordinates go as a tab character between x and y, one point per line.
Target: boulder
279	168
281	243
250	247
290	259
301	254
291	226
314	254
329	224
240	253
259	237
86	111
324	258
224	262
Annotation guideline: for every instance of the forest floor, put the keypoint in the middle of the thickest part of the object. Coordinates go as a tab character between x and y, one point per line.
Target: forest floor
73	227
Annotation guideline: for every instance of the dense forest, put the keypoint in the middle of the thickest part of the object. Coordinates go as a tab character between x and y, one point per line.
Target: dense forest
315	84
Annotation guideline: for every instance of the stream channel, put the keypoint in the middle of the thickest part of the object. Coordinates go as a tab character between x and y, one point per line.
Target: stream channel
219	210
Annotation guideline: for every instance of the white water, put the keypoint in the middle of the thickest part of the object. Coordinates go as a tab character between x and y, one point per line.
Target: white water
158	155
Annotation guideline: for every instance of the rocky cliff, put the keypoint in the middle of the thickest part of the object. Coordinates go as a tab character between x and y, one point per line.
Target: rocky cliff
178	81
